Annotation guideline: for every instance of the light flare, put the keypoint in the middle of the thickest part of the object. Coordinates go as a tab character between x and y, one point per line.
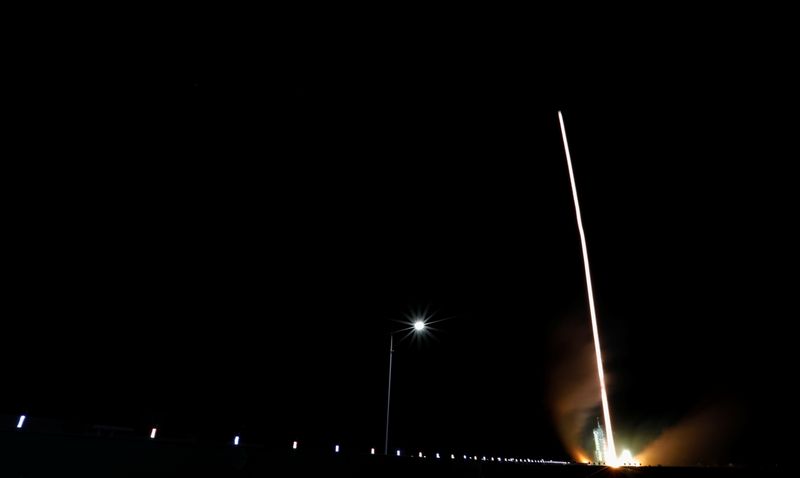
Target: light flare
612	452
626	458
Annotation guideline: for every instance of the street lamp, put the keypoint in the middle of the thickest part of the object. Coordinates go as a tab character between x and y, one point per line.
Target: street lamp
418	327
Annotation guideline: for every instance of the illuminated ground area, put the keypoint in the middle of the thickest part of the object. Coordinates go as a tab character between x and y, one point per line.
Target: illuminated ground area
39	454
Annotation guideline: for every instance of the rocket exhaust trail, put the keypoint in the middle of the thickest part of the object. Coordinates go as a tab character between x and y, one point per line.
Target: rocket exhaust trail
611	452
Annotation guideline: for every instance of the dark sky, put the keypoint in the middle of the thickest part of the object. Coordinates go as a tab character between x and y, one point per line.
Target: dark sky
215	232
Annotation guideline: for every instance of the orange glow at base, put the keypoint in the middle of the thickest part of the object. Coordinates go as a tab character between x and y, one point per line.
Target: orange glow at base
579	456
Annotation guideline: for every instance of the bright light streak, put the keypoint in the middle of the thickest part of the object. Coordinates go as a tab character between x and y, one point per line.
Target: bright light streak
398	452
371	451
419	325
437	456
420	454
294	445
236	440
153	432
21	421
453	456
336	449
611	448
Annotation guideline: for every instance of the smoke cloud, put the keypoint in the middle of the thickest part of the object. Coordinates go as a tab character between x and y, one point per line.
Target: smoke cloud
700	438
574	391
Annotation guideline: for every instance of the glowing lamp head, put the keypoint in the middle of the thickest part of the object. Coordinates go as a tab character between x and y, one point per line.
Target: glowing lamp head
419	326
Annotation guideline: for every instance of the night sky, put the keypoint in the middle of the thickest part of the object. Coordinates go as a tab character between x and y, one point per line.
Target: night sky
216	234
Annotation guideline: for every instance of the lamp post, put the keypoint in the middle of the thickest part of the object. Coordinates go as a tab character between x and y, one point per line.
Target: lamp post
419	326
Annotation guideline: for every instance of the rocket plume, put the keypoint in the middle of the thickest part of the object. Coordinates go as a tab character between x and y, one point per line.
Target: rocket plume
611	451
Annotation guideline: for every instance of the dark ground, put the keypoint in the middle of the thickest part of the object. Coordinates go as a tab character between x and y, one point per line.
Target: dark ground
25	454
